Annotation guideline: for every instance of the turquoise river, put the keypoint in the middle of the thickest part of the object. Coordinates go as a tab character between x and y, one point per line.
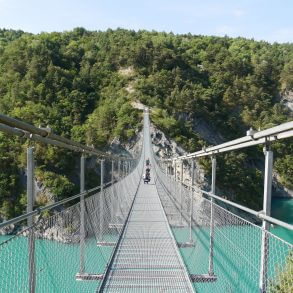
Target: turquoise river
235	264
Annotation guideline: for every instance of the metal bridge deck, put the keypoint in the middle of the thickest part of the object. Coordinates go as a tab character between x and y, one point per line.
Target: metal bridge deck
147	259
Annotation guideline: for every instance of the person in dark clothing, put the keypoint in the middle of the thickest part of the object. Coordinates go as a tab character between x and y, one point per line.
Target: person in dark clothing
146	178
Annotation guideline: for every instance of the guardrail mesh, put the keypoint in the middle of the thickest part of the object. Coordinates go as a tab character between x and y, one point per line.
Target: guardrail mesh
237	243
57	244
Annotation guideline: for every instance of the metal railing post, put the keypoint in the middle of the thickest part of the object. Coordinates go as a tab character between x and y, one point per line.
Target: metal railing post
112	172
213	191
119	168
175	178
30	220
168	175
191	201
82	211
167	172
123	169
265	224
102	201
113	192
181	191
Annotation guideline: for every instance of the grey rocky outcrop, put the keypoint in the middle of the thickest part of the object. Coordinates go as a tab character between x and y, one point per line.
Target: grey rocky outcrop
287	99
166	148
278	189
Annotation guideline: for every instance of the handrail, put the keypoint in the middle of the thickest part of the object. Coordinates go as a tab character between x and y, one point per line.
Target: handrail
281	131
45	135
50	206
53	205
259	215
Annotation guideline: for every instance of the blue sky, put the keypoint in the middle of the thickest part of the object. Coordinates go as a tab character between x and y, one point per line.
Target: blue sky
269	20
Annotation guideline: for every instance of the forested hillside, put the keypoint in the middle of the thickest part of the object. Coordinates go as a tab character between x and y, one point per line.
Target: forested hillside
81	84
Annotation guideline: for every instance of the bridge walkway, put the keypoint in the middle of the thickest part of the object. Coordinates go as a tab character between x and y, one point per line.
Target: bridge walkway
147	258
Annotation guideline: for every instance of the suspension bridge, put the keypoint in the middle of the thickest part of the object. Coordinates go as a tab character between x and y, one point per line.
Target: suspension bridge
127	236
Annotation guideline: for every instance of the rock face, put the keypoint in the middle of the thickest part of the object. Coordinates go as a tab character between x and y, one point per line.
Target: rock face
41	190
165	148
207	132
55	233
130	149
279	190
287	100
6	230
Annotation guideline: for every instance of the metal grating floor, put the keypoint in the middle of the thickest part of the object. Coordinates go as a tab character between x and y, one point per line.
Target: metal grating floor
147	259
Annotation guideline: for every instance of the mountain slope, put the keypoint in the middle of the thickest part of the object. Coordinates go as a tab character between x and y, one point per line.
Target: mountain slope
82	84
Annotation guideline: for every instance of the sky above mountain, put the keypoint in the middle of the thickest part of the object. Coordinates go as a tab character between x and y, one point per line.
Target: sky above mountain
269	20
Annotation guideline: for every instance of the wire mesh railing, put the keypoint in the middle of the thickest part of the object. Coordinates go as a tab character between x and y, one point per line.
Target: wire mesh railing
72	249
237	243
57	252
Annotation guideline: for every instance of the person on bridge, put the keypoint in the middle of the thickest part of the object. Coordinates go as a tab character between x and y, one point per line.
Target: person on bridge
146	178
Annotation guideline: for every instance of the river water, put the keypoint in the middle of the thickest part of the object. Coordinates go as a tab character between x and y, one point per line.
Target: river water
282	209
236	264
237	252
